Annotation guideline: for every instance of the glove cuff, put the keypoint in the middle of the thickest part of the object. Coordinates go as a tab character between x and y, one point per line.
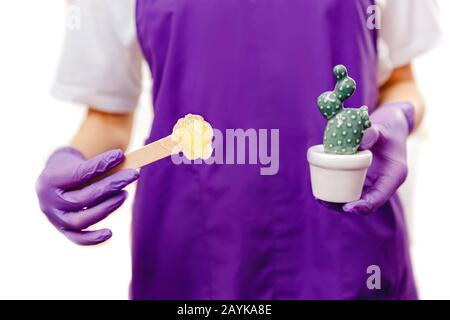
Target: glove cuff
70	150
410	114
408	111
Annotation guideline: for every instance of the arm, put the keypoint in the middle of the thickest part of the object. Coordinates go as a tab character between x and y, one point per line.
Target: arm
70	204
72	191
401	86
102	131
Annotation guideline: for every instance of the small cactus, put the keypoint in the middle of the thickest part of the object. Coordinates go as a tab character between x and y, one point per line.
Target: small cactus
345	125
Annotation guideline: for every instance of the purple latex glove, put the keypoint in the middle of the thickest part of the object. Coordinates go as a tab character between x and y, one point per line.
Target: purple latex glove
72	210
391	125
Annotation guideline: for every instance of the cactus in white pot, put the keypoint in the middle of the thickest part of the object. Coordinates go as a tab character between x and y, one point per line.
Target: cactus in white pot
338	169
345	125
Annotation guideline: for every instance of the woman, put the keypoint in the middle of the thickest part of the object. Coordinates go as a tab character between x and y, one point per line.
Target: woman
225	231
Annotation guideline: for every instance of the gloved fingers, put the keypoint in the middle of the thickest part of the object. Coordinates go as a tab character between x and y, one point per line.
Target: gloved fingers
89	169
83	219
374	197
88	238
99	190
370	138
362	207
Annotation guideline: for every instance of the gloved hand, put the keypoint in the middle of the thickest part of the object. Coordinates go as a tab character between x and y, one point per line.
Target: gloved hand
72	210
391	125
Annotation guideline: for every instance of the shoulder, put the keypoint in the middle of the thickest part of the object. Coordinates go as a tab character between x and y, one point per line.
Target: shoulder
100	62
409	28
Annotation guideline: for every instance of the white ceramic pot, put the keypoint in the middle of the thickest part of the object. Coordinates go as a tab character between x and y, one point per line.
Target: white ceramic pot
338	178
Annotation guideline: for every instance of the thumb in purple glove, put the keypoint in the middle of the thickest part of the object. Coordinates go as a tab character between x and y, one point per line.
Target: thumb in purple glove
72	210
391	125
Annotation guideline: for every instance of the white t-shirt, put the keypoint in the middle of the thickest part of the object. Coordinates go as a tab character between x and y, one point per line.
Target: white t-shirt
101	61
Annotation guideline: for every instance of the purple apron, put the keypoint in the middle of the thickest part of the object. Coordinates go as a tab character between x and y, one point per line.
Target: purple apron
225	231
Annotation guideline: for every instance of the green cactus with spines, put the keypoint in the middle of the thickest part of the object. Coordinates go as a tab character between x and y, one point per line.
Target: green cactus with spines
346	126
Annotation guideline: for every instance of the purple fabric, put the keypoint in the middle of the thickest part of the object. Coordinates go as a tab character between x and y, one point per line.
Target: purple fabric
225	231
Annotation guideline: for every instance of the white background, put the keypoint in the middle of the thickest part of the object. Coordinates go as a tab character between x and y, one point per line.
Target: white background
36	262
